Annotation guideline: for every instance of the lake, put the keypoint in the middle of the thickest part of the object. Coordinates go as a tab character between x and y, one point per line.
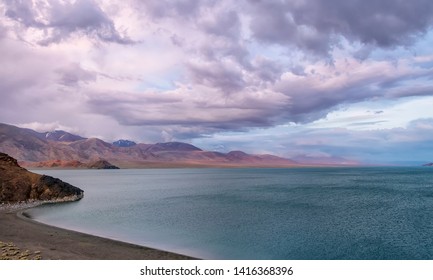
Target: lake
293	213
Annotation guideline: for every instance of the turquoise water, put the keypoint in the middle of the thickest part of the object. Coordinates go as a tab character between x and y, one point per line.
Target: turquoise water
299	213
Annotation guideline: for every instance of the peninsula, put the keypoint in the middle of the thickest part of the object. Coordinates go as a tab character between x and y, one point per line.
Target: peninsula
19	185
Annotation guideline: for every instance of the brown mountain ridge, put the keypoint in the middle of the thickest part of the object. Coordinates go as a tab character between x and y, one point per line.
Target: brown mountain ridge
65	150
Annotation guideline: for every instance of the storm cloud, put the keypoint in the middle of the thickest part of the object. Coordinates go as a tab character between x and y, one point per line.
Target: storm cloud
59	20
315	25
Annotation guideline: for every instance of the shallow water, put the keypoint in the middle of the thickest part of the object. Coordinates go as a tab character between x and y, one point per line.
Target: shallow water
299	213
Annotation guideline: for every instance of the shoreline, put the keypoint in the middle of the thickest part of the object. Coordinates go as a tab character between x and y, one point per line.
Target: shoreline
54	243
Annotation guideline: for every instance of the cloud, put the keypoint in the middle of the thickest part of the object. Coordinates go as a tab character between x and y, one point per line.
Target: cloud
315	25
73	74
424	125
324	87
224	23
404	145
47	127
375	146
29	73
272	22
225	76
179	9
23	72
60	20
200	68
366	123
202	107
267	70
41	85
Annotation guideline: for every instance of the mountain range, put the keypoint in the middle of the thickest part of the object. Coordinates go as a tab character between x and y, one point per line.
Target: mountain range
63	149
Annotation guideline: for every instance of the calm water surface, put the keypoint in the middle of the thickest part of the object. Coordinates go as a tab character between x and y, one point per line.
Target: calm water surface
299	213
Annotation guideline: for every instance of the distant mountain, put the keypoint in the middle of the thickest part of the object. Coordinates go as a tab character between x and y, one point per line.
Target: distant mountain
124	143
173	146
24	143
428	164
61	136
325	161
97	164
61	149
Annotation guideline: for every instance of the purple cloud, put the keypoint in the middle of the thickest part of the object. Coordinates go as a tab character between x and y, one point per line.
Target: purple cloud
315	25
315	94
60	20
72	75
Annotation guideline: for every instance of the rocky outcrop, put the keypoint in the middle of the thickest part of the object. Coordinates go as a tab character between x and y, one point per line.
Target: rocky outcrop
428	164
101	164
19	185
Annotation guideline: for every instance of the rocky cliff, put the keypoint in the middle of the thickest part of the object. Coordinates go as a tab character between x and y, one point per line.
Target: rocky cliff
19	185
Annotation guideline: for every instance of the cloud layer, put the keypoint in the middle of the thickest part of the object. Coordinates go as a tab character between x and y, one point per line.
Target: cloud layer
59	20
187	69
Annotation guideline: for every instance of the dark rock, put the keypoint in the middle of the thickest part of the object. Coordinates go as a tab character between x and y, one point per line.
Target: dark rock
7	160
48	188
19	185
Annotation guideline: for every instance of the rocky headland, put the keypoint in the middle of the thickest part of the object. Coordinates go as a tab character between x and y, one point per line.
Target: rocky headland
17	185
102	164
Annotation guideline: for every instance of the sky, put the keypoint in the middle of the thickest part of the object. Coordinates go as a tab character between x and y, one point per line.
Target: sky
294	78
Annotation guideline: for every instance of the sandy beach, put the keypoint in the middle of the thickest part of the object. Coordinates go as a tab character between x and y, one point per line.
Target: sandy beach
26	238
